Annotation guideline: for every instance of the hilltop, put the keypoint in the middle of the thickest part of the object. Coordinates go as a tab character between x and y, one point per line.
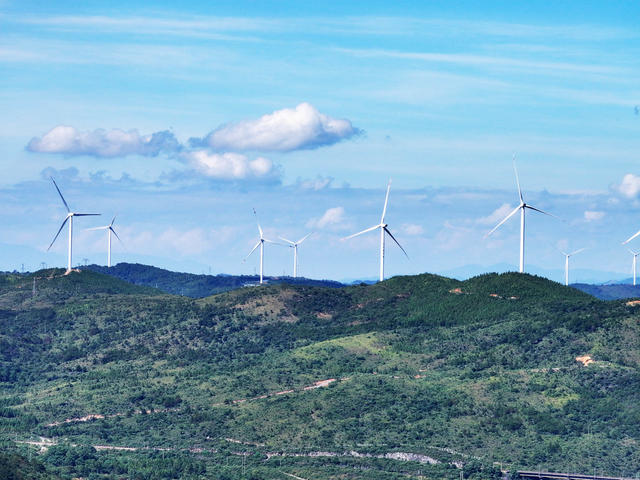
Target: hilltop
192	285
417	375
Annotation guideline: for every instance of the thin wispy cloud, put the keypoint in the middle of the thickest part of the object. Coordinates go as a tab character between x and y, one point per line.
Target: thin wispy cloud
487	61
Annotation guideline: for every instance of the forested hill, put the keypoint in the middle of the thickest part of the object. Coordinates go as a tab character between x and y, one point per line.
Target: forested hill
414	377
193	285
610	291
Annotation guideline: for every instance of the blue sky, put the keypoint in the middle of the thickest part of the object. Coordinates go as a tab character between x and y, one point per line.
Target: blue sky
181	119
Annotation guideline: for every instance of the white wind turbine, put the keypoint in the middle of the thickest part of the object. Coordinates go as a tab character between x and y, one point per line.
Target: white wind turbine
294	245
566	264
260	244
383	229
68	218
110	230
635	255
522	207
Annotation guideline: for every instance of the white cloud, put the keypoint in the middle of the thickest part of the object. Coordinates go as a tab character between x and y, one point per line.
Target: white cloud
498	214
332	217
412	229
593	215
319	183
231	166
103	143
630	186
284	130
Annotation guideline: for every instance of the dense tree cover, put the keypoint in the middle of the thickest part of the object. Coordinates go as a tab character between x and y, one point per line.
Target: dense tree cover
475	374
14	466
192	285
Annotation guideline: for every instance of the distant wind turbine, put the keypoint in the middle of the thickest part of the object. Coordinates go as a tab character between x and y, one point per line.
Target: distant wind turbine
383	229
294	245
635	255
260	244
110	230
566	264
68	218
522	207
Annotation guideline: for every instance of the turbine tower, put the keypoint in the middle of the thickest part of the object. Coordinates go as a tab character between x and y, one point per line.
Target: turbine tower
383	229
522	207
110	230
566	264
68	218
260	244
294	245
635	255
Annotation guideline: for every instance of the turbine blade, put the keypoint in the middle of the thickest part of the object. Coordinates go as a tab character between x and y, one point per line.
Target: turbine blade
113	220
632	252
274	243
60	193
386	200
86	214
304	238
286	240
577	251
114	232
542	211
631	237
504	220
259	227
360	233
97	228
59	230
252	250
397	243
517	179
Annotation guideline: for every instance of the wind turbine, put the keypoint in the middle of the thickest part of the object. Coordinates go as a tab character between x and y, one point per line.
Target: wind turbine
260	244
566	264
635	255
68	218
383	229
294	245
110	230
522	207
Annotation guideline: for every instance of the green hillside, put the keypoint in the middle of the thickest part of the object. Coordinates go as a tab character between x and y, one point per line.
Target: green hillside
412	377
192	285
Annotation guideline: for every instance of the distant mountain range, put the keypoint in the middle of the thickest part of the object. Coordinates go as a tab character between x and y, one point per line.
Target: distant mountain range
193	285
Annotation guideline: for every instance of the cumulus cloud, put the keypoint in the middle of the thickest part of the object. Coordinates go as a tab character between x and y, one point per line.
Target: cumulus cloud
103	143
231	166
331	218
630	186
497	215
284	130
593	215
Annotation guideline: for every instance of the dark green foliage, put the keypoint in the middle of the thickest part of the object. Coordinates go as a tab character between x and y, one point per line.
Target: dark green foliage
16	467
192	285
